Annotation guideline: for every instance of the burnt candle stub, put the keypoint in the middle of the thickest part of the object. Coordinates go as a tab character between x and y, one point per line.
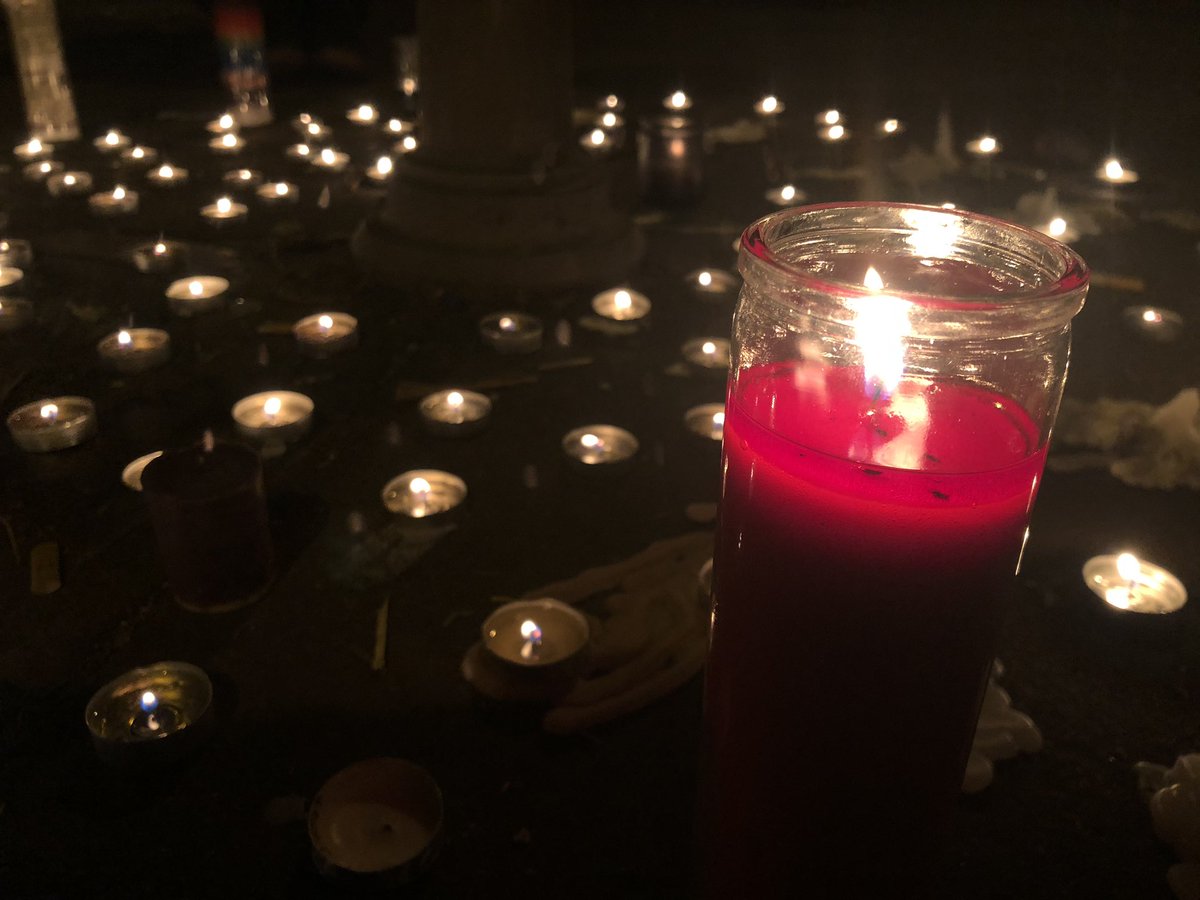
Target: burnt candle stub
209	512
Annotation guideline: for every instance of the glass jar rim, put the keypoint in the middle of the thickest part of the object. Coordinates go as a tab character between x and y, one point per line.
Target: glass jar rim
1068	281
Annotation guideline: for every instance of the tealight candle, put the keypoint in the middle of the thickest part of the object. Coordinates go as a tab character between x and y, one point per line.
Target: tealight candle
32	149
456	412
15	314
769	106
540	634
300	152
131	475
595	445
325	334
381	169
16	252
712	281
139	156
1155	322
317	132
398	127
363	114
331	159
610	102
709	353
302	121
223	211
132	350
111	141
68	184
1115	173
167	175
375	824
889	128
273	416
511	332
1059	229
1130	584
986	145
407	144
610	121
222	124
245	178
9	276
828	117
39	170
227	144
677	101
597	141
52	424
153	712
117	202
786	195
831	134
621	304
159	256
706	420
196	294
421	493
278	192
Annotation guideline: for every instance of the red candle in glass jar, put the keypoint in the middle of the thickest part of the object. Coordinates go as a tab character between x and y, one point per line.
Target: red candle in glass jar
873	513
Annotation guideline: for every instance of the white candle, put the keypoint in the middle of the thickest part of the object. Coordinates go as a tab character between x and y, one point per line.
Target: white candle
159	256
677	101
596	445
15	314
111	141
381	169
456	412
327	333
167	175
117	202
621	304
537	634
363	114
1130	584
39	170
706	420
133	350
985	145
889	128
225	122
196	294
223	211
131	475
786	195
227	144
407	144
1114	172
55	423
511	332
708	353
711	281
68	184
769	106
420	493
273	416
244	178
32	149
278	192
331	159
139	156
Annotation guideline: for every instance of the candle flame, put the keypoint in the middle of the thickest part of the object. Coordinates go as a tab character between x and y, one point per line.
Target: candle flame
831	116
313	128
281	188
148	701
366	111
138	152
1113	170
34	145
879	327
529	629
112	138
612	101
987	144
325	322
229	140
383	165
1128	567
165	171
124	338
787	192
589	440
835	132
118	193
225	121
609	120
769	103
454	399
160	248
395	125
68	179
303	149
195	288
1057	227
409	143
677	100
1152	316
419	486
719	418
507	324
890	125
597	137
708	347
224	205
622	300
704	278
327	156
533	639
49	411
45	167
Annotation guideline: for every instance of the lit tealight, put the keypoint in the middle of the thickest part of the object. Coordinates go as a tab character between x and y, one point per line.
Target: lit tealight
610	120
196	294
407	144
243	178
299	152
223	123
711	281
770	105
421	493
535	636
829	117
52	424
677	100
135	350
706	420
456	412
273	416
39	170
332	159
611	101
832	134
1115	173
1154	322
363	114
985	145
1059	229
595	445
118	201
223	211
621	304
324	334
111	141
139	155
785	195
227	143
708	353
1130	584
277	192
167	175
596	140
381	169
68	184
315	131
889	128
512	332
398	126
32	149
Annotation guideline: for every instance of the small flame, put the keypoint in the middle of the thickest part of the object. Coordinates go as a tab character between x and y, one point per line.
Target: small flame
533	639
224	205
708	348
597	137
138	152
836	132
366	111
271	407
507	324
879	328
704	278
229	140
787	192
34	145
612	101
1057	227
313	129
591	441
49	411
831	116
622	300
165	171
987	144
409	143
419	486
325	322
303	149
891	125
1113	170
68	179
45	168
677	100
609	120
454	399
112	138
383	165
225	121
719	418
1128	567
195	288
872	280
768	104
160	248
327	156
1152	316
124	338
281	188
118	193
395	125
148	701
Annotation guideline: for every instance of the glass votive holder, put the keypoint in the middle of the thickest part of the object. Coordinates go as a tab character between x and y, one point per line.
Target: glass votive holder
132	350
150	715
277	417
511	332
55	423
599	445
420	493
456	412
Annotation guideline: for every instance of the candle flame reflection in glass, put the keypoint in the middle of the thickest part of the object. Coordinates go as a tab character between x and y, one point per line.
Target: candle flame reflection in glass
879	327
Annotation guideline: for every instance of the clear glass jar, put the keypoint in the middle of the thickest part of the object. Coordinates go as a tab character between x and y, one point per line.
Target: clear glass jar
896	374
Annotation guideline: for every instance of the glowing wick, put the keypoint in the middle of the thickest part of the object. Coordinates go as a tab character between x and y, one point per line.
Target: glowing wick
118	193
49	412
383	165
1113	170
224	206
678	100
1057	227
195	288
533	639
832	117
704	278
597	137
271	407
327	156
622	300
160	248
325	322
165	171
123	338
454	399
1129	568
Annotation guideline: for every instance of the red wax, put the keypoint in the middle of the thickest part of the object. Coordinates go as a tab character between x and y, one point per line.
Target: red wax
864	548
